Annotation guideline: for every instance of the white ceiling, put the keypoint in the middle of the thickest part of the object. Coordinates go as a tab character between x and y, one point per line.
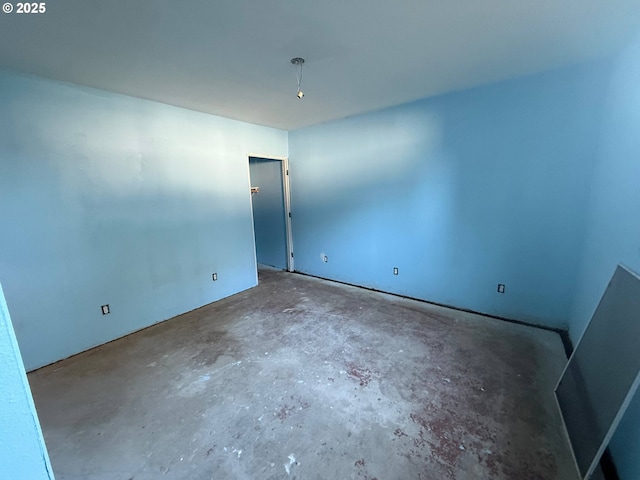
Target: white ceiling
231	58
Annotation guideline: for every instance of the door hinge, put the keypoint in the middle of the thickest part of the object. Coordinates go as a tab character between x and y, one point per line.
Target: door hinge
289	214
287	171
291	254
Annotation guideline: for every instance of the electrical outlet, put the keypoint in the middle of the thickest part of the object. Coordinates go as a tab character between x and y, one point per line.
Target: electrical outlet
395	270
214	277
500	288
325	259
105	309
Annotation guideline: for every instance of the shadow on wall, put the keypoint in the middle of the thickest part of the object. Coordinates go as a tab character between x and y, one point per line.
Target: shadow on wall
461	192
121	201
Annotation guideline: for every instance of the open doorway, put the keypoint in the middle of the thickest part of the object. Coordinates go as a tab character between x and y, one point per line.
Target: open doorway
270	203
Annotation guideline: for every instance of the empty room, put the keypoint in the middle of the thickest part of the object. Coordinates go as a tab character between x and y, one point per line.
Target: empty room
320	240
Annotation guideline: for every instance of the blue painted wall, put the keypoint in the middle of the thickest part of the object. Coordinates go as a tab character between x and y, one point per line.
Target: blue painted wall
531	182
23	454
269	212
613	235
114	200
460	192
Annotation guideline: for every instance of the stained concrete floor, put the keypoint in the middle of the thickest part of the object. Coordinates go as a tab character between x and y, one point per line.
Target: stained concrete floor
301	378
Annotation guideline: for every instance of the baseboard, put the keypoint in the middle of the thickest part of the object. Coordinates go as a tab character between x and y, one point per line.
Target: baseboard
564	335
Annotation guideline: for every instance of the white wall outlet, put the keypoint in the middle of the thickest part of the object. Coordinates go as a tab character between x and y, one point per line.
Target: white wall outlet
105	309
214	277
395	270
500	288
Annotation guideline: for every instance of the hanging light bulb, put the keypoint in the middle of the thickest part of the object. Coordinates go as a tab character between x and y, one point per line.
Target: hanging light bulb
297	63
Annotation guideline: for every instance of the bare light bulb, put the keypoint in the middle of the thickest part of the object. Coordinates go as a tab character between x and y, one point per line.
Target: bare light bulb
297	63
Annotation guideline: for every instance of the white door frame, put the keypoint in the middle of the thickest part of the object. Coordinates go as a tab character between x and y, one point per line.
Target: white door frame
284	164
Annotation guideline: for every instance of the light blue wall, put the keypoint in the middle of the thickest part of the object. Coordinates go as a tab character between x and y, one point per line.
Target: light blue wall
109	199
460	192
269	212
23	454
112	199
613	235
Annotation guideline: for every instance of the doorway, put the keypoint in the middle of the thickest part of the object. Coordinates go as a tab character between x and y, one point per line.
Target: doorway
270	203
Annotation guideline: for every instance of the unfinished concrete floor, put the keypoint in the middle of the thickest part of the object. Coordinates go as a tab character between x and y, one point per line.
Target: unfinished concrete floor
301	378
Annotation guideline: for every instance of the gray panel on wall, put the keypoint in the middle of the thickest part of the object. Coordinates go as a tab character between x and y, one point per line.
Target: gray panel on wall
604	371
